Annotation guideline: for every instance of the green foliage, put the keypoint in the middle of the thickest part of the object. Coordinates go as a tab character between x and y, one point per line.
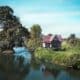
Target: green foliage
35	39
7	18
36	31
65	45
43	54
65	58
12	28
34	43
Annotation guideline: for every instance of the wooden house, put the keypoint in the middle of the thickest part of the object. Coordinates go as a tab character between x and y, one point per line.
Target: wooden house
50	41
56	42
46	41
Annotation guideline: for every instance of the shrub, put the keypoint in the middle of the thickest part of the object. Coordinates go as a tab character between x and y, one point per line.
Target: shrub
66	58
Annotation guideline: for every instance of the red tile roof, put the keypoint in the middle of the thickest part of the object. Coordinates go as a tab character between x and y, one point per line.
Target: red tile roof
49	38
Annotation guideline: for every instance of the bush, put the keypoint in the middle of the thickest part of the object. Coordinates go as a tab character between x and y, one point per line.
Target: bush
65	45
65	58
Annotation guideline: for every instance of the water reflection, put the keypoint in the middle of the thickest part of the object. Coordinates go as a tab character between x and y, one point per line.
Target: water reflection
63	76
36	74
15	66
23	52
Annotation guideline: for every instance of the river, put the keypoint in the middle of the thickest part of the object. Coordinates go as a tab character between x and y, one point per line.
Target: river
38	74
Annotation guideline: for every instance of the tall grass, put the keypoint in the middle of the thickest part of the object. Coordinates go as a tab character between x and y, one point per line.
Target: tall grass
66	58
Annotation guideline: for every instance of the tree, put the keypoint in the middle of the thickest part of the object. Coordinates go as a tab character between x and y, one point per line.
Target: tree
72	36
12	27
35	37
12	31
24	32
72	40
8	18
36	31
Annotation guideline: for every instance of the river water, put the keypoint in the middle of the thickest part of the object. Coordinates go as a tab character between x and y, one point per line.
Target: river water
38	74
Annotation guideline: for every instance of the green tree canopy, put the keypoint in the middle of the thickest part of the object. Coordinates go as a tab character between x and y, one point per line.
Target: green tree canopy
35	38
73	40
12	27
36	30
7	17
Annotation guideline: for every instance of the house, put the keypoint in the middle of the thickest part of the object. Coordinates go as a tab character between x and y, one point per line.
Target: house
46	41
50	41
56	42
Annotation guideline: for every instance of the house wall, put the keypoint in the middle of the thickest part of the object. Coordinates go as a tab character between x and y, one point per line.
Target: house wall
43	45
46	45
50	45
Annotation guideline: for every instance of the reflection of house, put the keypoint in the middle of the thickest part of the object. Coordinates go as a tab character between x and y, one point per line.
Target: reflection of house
52	41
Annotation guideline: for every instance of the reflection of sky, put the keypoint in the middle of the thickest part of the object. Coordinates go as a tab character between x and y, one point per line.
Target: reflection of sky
67	76
38	75
54	16
22	51
64	76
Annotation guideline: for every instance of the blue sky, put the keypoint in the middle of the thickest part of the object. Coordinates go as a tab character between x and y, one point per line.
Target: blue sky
54	16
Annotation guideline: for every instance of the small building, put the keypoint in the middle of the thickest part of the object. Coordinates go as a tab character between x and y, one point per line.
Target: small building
50	41
56	42
46	41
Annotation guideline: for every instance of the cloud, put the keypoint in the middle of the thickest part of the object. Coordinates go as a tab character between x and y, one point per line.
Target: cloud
52	22
54	16
47	18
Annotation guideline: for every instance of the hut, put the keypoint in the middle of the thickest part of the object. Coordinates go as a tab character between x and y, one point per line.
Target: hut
46	41
56	42
50	41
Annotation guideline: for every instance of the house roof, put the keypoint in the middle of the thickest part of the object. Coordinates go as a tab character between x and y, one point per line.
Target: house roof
58	37
50	38
47	39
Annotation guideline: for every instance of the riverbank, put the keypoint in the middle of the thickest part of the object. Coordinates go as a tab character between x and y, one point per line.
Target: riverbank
66	58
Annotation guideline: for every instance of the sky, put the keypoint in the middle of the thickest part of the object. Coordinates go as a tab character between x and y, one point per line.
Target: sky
54	16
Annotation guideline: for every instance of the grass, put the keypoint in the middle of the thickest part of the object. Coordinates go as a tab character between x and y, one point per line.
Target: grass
65	58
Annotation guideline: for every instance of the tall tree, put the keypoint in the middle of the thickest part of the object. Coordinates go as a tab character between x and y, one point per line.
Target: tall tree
36	31
12	27
72	40
35	38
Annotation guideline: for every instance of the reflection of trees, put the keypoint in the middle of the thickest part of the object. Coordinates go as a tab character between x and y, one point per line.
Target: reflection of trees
55	73
53	69
8	66
74	73
7	62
